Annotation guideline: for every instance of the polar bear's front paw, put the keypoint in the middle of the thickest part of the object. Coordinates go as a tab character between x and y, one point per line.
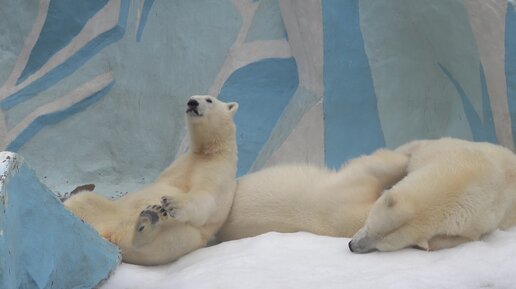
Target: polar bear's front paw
174	208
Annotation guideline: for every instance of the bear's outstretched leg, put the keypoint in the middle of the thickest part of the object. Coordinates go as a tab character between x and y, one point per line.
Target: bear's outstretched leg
90	206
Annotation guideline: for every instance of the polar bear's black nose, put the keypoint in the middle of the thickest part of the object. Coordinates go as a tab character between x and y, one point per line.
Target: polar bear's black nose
193	103
350	246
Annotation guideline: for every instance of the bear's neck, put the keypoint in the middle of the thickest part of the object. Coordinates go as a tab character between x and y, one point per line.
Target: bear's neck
213	144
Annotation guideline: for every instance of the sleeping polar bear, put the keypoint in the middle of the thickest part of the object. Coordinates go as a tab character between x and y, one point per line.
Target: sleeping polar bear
455	191
292	198
186	204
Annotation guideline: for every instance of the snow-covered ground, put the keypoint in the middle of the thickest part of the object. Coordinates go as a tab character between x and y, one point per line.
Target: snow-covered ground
303	260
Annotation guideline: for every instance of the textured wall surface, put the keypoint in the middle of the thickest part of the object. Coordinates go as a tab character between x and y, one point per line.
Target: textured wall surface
94	91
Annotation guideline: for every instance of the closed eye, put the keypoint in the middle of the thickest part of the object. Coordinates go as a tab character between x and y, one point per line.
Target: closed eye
209	100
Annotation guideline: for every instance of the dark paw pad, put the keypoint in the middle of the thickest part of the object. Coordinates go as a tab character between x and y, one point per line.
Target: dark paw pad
151	215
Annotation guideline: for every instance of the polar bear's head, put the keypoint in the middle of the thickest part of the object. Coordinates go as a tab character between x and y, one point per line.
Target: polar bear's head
385	227
210	122
208	107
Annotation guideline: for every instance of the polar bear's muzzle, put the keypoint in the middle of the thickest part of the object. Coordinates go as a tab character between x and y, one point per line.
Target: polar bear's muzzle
193	108
361	242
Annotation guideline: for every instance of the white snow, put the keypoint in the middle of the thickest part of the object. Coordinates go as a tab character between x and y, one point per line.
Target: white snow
303	260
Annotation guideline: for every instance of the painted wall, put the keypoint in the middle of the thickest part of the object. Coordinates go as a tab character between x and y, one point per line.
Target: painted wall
94	91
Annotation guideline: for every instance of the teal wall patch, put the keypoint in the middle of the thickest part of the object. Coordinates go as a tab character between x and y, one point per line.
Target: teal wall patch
482	128
55	117
64	21
147	5
20	14
510	62
351	123
267	22
71	64
263	89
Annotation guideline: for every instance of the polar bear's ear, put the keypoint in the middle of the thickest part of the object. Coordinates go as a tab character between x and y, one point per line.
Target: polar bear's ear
232	107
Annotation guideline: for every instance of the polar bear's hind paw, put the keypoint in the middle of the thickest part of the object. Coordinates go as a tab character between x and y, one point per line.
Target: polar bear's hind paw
148	225
173	207
150	216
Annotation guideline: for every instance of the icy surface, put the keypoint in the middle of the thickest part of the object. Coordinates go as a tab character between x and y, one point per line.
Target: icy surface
303	260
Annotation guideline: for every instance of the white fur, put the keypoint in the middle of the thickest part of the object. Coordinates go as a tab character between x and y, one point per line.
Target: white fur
291	198
455	191
200	186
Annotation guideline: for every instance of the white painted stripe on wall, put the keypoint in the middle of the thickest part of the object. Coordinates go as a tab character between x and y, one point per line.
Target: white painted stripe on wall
247	53
303	22
487	19
139	11
306	142
104	20
21	61
85	90
243	53
30	41
247	11
253	51
3	130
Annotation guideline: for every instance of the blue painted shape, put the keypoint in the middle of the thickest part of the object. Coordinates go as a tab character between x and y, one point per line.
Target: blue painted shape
65	19
16	20
267	22
55	117
145	109
73	63
510	63
143	18
43	244
351	121
481	131
301	102
263	89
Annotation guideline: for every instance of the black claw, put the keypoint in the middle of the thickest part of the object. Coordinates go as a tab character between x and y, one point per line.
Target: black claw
141	228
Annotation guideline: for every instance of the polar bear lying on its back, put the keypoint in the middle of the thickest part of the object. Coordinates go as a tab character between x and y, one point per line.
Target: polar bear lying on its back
455	191
186	204
291	198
